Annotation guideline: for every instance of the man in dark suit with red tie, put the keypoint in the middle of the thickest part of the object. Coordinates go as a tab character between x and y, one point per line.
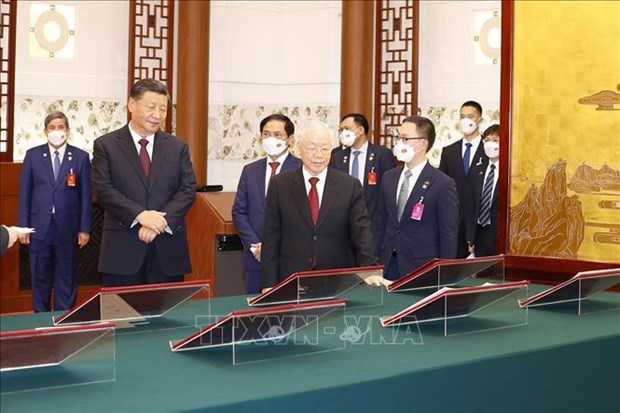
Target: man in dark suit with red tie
55	199
482	224
316	216
248	210
362	159
145	182
418	207
460	161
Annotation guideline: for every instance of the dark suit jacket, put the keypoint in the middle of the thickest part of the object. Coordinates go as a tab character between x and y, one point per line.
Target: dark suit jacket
377	157
342	237
417	242
452	165
487	243
39	192
248	210
123	191
4	240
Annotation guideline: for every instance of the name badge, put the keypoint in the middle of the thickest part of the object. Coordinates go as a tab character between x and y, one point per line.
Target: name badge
372	177
71	178
418	210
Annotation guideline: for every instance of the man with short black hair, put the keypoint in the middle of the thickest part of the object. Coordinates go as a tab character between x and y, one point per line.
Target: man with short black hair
248	211
462	159
418	205
362	159
146	184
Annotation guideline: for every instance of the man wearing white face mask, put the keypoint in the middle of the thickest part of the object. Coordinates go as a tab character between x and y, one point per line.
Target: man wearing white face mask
482	224
460	161
362	159
418	206
55	200
248	210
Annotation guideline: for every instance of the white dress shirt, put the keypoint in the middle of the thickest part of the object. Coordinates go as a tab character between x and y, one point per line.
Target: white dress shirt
474	147
280	159
361	161
495	177
136	140
415	174
320	186
61	156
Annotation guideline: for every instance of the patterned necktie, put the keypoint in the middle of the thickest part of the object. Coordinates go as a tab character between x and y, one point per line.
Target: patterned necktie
403	195
466	158
274	168
484	218
313	200
56	165
144	158
355	168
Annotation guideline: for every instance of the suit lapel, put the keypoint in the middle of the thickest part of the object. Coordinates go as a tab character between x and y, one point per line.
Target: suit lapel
65	165
46	163
301	197
424	180
127	146
392	187
259	179
343	161
330	190
160	141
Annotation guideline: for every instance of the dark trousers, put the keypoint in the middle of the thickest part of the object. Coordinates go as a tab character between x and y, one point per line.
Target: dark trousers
54	265
390	271
252	281
149	273
486	240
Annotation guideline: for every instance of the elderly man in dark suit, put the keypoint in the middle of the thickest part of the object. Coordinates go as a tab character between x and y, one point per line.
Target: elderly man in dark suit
362	159
55	199
145	182
248	210
418	207
316	216
460	161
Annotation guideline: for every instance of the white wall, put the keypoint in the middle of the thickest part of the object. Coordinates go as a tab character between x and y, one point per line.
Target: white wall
267	55
99	68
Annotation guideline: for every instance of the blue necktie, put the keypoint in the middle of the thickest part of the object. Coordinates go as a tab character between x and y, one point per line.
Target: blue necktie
355	169
484	218
466	158
56	165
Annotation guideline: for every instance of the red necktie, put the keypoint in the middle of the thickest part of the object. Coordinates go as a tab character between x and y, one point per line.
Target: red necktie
274	167
144	158
313	199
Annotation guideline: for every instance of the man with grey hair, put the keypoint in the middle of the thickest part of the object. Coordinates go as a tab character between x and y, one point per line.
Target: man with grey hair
316	216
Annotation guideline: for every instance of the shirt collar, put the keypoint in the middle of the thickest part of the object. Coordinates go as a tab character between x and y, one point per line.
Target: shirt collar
280	158
322	176
136	137
61	150
363	149
474	142
416	170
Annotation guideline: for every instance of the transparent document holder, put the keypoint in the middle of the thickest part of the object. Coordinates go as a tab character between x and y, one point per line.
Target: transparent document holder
576	293
262	334
57	357
306	286
438	273
467	309
143	306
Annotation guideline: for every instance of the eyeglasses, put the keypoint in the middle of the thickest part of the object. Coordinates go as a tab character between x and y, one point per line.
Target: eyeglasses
315	149
409	140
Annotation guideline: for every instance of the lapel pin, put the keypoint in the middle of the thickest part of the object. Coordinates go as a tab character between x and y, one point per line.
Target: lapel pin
371	157
70	156
345	159
45	155
479	161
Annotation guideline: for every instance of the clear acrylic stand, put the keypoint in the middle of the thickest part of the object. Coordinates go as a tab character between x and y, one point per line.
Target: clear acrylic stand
57	357
270	333
484	307
576	293
307	286
142	307
446	272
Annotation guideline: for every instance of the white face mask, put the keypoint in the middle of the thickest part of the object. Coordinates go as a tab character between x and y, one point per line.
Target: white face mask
468	126
403	152
274	146
347	138
491	149
56	137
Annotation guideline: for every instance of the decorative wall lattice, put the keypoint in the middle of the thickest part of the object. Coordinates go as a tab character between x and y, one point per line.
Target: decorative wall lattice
151	48
8	12
396	94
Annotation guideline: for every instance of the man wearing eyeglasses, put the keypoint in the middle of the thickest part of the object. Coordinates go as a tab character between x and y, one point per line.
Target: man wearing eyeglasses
316	216
362	159
248	210
418	205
